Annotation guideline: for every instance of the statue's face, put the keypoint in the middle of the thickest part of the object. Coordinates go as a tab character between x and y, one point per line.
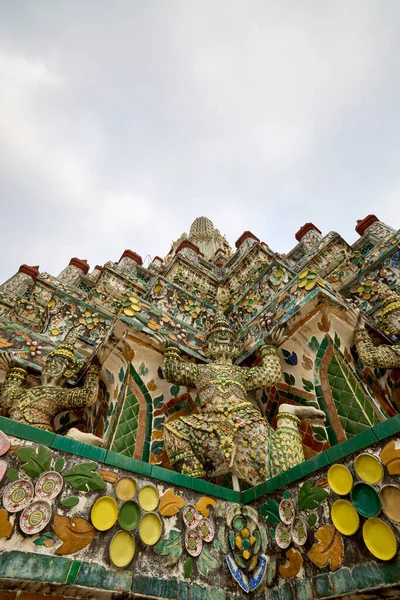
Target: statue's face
221	345
54	370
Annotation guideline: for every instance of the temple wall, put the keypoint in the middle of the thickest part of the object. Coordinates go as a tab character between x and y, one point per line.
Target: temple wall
310	558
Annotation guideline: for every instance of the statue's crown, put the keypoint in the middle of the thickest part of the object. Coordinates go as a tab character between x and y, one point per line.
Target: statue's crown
220	323
65	350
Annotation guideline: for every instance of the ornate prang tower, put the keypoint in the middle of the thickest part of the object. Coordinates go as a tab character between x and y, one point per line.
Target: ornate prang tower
221	424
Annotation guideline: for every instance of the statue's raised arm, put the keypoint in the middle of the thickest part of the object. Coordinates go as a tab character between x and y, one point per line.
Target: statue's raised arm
384	356
269	372
177	370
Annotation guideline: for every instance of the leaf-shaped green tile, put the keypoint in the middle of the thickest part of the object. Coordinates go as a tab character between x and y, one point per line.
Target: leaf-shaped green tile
171	547
187	571
270	511
311	496
83	477
59	465
70	501
36	462
12	474
207	562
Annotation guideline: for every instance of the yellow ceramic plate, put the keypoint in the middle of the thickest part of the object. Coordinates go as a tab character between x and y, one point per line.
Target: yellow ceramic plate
122	549
390	498
104	513
148	498
368	468
150	529
340	479
345	517
379	539
125	488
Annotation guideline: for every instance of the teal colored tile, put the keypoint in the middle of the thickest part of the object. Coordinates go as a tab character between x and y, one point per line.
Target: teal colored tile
73	572
199	485
67	444
93	575
183	591
34	567
387	428
342	581
366	576
233	496
359	442
153	586
248	495
273	484
308	467
390	571
303	590
146	452
209	488
26	432
322	586
129	464
273	594
285	591
261	489
171	477
198	592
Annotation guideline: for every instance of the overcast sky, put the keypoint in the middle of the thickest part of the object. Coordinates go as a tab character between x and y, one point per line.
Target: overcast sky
122	121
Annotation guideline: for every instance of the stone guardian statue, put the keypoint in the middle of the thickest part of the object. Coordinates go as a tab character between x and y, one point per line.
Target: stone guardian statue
230	435
39	405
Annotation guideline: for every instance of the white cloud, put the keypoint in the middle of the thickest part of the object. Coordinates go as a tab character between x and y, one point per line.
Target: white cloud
116	132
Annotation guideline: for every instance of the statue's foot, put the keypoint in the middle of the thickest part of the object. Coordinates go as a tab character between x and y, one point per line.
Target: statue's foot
302	412
86	438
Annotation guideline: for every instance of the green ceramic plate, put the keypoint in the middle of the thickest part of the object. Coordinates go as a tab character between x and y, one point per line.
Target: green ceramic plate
129	515
365	500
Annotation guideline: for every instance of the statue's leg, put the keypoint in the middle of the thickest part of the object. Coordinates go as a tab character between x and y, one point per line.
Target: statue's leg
181	455
286	444
250	455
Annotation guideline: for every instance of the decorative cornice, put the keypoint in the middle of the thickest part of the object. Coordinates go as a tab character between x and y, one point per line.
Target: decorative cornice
31	271
81	264
188	244
245	235
130	254
305	229
363	224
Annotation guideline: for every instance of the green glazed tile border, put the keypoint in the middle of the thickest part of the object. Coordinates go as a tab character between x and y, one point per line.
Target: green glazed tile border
309	466
303	589
152	586
93	575
73	572
323	586
366	576
171	477
67	444
387	428
34	567
27	432
209	488
129	464
249	495
390	571
358	442
342	581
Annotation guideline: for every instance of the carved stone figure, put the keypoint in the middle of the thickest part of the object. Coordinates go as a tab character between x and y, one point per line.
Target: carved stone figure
39	405
230	434
383	356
